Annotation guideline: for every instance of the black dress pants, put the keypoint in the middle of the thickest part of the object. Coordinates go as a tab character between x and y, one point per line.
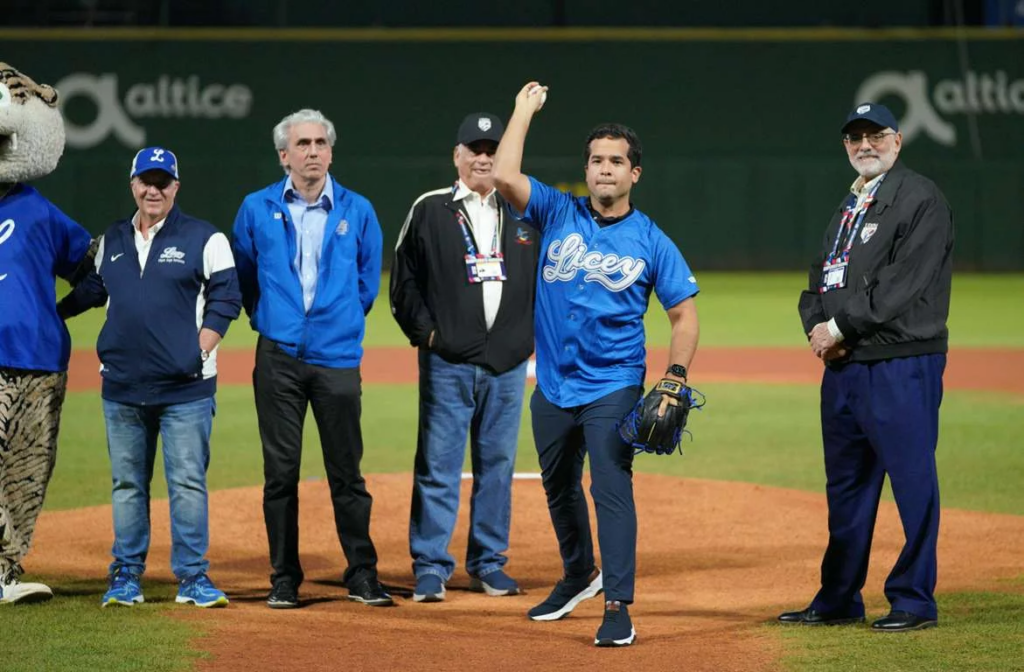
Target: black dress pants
284	386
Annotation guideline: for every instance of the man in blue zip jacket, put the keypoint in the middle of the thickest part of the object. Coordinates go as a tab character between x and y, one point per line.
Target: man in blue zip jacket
171	291
309	261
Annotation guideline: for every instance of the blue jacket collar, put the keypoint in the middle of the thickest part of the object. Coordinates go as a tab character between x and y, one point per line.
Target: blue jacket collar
275	193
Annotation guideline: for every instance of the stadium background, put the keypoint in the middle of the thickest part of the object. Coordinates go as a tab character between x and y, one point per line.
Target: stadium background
739	105
743	162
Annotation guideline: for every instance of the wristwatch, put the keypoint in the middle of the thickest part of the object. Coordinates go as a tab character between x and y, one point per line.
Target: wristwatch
677	370
204	354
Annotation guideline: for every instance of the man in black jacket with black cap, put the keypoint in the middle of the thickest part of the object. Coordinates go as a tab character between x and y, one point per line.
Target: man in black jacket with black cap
462	287
875	311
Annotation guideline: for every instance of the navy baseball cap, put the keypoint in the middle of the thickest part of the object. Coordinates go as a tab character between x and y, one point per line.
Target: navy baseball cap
480	126
873	112
155	158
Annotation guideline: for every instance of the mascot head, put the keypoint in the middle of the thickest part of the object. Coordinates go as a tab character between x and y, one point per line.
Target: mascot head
31	128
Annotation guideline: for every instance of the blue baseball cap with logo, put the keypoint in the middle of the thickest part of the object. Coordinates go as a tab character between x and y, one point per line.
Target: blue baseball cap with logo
873	112
155	158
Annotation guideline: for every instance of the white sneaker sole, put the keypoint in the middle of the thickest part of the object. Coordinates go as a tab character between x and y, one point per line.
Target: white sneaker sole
430	597
479	586
382	602
617	642
114	602
593	590
219	602
26	593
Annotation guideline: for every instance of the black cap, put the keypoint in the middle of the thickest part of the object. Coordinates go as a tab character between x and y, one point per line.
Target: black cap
480	126
873	112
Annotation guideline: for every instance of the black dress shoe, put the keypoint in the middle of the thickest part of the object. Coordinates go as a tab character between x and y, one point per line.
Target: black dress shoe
903	621
811	616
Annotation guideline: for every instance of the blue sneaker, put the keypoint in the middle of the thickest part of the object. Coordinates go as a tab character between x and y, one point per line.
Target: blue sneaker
568	593
200	591
429	588
616	628
125	589
494	584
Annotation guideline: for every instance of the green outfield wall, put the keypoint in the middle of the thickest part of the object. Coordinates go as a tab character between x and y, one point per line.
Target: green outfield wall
742	165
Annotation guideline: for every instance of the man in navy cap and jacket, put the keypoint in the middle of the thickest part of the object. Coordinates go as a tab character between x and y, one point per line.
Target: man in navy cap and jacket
171	291
875	312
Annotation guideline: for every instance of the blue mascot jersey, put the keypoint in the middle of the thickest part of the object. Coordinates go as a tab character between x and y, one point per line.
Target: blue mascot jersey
593	287
37	243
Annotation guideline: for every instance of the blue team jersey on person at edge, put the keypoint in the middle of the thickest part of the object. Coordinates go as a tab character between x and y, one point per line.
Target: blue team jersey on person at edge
37	242
593	288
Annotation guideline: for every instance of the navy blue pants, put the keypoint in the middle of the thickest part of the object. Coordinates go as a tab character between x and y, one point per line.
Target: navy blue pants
881	418
564	436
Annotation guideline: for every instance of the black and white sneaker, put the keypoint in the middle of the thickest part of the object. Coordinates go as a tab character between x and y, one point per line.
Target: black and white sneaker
617	628
283	595
566	595
369	591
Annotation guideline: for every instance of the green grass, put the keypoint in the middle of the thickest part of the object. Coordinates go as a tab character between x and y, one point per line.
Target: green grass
736	309
72	633
747	309
753	433
978	632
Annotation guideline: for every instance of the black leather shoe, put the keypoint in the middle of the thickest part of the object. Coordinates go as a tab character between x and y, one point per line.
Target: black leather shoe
369	591
903	621
814	617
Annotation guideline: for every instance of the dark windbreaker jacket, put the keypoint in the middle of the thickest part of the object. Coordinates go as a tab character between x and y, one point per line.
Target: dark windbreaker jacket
896	299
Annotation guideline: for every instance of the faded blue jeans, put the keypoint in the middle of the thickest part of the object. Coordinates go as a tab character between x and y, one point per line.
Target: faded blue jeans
131	442
456	400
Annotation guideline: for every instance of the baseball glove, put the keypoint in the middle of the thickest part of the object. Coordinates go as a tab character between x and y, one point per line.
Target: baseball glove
646	432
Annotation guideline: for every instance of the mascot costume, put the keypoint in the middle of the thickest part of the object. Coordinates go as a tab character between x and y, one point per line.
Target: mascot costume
38	242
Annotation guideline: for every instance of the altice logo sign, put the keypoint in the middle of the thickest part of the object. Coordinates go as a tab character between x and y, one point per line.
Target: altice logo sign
976	93
167	97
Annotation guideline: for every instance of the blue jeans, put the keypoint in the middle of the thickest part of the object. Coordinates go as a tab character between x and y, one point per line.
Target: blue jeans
131	442
456	400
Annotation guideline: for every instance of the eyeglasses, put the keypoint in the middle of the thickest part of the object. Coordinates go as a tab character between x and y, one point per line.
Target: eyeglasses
874	138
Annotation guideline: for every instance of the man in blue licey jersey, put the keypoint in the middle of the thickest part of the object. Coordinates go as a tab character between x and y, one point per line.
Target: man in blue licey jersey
601	258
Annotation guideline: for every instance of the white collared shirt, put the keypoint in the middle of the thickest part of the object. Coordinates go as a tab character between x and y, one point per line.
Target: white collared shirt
142	245
485	220
309	221
861	189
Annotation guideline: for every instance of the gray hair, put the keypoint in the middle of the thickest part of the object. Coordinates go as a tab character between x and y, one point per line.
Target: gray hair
301	117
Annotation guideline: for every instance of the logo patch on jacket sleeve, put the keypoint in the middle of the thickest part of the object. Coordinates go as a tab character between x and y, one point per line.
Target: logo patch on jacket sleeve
868	231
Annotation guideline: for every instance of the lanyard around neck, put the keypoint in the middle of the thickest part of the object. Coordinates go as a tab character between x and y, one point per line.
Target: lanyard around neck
851	221
470	246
